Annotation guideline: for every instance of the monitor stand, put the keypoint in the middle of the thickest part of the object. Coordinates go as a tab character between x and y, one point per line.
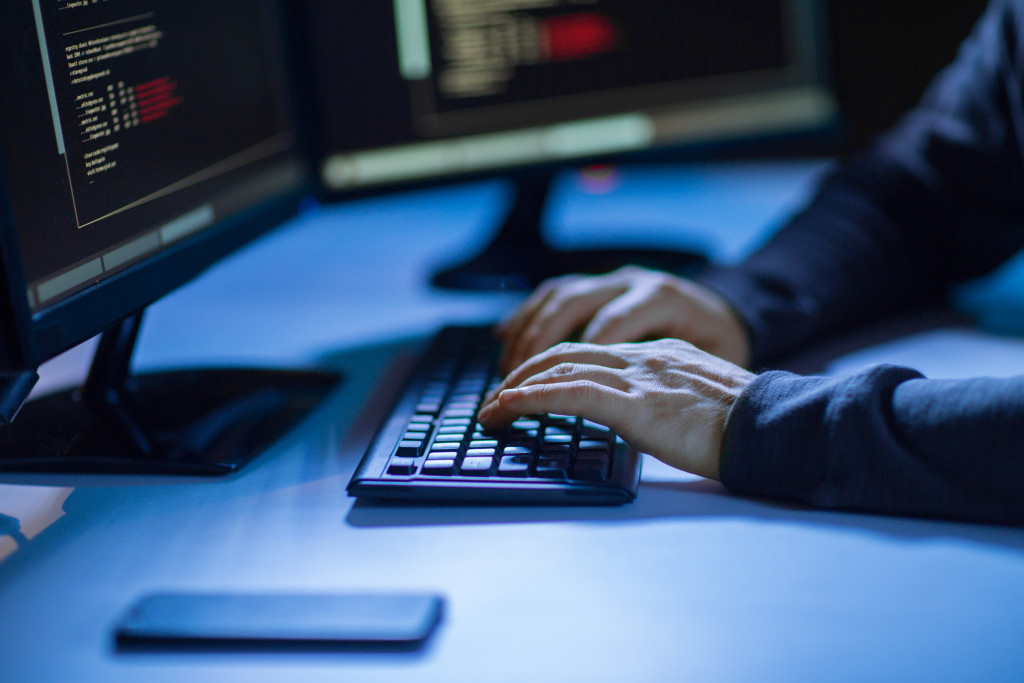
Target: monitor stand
190	422
518	258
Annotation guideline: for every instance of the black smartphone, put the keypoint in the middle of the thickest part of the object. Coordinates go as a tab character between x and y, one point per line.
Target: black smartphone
256	621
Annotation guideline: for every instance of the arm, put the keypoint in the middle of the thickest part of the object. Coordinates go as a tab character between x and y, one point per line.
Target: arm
883	440
936	201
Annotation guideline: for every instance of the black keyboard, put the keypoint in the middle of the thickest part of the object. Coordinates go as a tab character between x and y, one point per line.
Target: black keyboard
431	446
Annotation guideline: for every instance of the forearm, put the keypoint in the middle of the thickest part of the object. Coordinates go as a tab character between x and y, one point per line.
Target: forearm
882	440
844	260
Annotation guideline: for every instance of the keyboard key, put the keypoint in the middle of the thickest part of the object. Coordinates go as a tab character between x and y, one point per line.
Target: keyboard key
442	455
480	452
477	466
438	467
449	438
589	467
514	466
402	466
556	452
557	438
483	443
453	429
551	469
517	450
409	449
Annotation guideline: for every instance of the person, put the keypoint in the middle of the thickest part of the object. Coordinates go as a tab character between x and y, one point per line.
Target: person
935	201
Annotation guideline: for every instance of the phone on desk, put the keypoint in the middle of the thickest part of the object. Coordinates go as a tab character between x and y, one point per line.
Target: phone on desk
260	622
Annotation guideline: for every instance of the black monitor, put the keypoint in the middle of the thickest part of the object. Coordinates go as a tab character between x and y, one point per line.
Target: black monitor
140	142
414	92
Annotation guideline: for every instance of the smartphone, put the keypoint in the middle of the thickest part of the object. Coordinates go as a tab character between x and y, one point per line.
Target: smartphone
258	621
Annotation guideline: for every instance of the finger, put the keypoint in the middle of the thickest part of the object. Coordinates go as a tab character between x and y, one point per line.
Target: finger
574	372
491	412
633	316
566	354
562	354
514	323
565	310
590	400
511	330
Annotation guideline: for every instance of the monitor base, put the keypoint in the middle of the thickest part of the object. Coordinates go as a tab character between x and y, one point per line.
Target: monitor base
518	258
188	422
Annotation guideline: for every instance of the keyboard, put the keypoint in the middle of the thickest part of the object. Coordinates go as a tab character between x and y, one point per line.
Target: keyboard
430	446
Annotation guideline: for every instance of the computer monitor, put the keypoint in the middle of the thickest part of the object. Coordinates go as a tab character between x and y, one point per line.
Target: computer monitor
140	142
414	92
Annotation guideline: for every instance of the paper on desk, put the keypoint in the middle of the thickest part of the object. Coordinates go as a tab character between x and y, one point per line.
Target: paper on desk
944	354
25	511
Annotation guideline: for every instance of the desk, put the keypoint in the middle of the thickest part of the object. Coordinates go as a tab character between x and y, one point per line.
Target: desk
687	583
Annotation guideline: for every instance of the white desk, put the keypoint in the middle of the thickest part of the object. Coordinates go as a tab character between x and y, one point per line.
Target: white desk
687	583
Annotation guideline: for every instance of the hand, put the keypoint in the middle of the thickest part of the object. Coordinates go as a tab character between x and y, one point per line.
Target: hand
667	398
631	304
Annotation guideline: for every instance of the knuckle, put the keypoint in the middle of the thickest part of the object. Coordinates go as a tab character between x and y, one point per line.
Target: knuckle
563	370
530	336
655	363
631	270
564	347
586	390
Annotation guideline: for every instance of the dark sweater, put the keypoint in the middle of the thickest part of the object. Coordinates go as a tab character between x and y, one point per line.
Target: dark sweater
934	202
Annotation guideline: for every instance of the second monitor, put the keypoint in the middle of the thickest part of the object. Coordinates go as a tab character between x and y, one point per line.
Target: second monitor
416	92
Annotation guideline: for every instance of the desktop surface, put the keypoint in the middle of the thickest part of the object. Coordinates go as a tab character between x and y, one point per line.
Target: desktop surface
688	582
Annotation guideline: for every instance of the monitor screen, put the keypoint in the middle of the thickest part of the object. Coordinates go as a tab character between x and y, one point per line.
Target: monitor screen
140	141
415	90
135	136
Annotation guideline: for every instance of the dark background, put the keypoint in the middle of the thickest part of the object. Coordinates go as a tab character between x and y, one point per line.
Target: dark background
886	51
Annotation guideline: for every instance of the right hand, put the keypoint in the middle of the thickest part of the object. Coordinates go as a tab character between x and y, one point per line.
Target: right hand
628	305
665	397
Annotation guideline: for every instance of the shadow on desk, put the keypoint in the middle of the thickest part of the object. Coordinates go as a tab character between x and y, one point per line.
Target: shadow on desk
696	501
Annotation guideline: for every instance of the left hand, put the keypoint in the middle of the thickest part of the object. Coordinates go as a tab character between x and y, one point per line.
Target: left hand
666	398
